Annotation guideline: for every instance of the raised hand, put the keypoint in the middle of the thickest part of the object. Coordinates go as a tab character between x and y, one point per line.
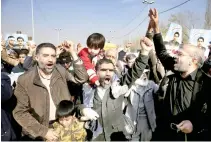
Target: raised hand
68	46
146	45
154	20
79	47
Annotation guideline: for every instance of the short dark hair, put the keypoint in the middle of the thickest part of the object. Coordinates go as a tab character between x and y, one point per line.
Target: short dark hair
64	109
64	57
177	33
103	61
23	51
10	37
130	57
45	45
20	38
96	40
200	38
14	53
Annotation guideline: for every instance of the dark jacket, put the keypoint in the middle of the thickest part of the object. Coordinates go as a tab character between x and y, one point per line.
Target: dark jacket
28	63
32	109
156	68
17	69
148	93
7	128
200	91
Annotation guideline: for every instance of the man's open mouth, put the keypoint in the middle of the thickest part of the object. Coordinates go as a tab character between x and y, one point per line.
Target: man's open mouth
50	65
107	80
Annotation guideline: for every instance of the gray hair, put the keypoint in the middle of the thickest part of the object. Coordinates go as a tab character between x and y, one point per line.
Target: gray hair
197	53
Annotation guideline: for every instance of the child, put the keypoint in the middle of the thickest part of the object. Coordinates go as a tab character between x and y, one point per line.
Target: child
90	55
67	125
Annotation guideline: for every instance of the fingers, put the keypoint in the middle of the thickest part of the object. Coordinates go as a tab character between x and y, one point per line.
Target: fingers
146	41
180	124
84	118
155	12
90	114
94	115
54	136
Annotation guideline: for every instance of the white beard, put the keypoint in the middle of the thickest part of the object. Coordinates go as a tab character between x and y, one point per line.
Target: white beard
141	82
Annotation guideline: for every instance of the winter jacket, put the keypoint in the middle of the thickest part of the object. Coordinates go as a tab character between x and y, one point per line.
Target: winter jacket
7	131
32	109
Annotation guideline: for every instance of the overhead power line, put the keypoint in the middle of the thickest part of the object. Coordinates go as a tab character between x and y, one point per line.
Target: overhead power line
147	17
123	27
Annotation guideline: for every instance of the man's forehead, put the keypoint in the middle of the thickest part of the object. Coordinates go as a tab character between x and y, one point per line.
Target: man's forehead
187	49
183	50
107	66
47	50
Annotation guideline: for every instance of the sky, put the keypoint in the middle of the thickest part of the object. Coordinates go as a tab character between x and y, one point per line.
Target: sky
77	19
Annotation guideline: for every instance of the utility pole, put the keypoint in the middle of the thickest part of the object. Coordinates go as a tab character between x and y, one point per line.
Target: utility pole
148	2
111	36
58	34
32	8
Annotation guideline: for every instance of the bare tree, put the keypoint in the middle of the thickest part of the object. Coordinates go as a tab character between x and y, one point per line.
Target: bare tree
164	28
207	22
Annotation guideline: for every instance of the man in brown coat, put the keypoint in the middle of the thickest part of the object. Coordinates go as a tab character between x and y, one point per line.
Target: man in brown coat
41	89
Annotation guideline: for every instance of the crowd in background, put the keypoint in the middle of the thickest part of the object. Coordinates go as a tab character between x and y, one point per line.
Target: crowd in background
75	93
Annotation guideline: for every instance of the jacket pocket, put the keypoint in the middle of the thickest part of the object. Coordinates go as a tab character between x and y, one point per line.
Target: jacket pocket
148	97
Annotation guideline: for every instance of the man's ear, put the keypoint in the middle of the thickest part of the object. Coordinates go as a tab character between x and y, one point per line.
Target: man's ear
36	57
195	61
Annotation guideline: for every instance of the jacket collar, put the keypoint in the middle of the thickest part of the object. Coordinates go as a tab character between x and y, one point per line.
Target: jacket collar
55	76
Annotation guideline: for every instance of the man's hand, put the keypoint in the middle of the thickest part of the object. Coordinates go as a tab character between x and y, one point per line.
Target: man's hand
31	50
146	45
3	44
79	47
51	135
154	20
185	126
89	114
69	46
97	83
59	51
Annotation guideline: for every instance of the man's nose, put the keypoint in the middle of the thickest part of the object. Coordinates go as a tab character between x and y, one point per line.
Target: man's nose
50	59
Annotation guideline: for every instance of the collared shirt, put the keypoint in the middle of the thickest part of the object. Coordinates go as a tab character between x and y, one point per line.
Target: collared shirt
52	107
101	92
181	93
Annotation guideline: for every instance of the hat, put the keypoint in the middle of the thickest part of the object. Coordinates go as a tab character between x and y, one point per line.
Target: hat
65	60
108	46
64	57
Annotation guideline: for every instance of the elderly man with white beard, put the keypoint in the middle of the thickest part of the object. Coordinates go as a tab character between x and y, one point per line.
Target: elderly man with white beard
140	108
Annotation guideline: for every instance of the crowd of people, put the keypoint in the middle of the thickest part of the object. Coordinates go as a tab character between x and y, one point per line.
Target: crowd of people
65	93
